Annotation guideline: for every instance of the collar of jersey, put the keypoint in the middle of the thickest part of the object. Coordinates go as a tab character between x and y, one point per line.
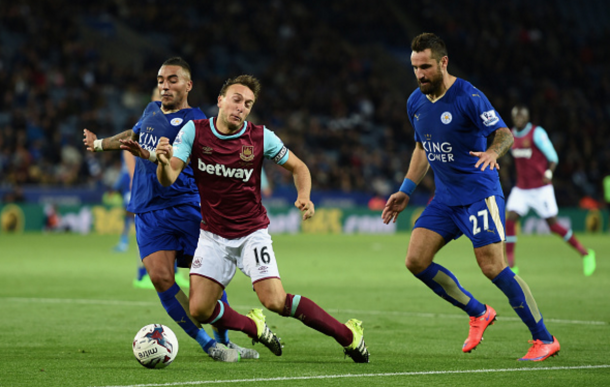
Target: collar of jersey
225	137
525	131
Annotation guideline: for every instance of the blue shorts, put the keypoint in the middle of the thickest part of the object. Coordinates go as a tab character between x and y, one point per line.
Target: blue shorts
172	229
482	222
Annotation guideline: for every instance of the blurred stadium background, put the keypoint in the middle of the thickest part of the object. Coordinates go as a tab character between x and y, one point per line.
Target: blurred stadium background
335	74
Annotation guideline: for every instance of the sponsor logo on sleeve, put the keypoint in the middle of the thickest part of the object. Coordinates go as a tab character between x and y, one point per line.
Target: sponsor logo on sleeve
489	118
178	139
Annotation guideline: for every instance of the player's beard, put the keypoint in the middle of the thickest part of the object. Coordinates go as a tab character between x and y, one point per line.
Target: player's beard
433	85
173	103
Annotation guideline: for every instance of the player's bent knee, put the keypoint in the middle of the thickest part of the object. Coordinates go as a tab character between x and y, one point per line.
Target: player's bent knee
200	312
415	265
274	303
491	270
161	280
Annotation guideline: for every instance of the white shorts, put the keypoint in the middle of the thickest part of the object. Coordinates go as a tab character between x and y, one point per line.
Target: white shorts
542	200
216	257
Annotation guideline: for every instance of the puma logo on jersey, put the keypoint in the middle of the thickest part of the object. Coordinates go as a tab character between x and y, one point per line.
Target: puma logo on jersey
222	170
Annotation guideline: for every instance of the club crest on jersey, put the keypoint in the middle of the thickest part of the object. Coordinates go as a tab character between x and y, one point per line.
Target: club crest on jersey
247	153
176	121
489	118
446	118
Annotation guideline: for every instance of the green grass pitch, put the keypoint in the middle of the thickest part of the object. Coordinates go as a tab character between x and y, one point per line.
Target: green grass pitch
68	313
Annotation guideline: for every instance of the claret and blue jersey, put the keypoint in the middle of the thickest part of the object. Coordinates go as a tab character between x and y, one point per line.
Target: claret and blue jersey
448	129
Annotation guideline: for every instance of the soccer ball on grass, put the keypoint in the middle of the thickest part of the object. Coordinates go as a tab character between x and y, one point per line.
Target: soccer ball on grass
155	346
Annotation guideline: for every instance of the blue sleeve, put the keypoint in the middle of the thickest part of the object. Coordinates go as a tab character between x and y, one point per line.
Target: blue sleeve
136	128
198	114
183	144
264	180
482	114
275	149
542	141
409	115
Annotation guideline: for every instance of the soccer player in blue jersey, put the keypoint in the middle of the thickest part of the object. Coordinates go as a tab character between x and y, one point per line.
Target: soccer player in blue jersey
452	121
123	186
167	218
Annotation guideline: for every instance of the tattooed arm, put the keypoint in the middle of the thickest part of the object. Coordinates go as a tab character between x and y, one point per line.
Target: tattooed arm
93	144
114	141
502	141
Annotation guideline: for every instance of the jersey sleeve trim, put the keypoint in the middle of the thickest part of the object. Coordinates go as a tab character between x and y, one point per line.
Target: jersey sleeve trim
183	144
275	150
542	141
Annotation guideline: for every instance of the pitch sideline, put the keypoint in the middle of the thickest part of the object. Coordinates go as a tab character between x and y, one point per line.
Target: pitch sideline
385	374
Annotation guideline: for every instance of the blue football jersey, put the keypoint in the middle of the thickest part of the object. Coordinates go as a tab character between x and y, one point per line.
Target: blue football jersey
147	194
449	128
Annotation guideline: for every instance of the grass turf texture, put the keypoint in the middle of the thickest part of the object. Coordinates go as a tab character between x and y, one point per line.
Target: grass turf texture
68	314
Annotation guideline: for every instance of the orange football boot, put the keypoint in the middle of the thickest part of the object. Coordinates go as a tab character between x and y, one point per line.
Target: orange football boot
540	351
477	327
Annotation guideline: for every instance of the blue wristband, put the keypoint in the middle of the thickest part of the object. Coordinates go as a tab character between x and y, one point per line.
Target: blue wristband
408	186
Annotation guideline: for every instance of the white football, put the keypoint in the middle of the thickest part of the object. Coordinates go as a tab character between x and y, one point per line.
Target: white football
155	346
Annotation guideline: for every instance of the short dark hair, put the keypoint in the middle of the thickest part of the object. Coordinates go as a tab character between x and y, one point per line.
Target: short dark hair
178	61
429	40
246	80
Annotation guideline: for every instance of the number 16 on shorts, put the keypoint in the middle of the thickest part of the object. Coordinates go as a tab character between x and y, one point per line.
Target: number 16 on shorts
259	257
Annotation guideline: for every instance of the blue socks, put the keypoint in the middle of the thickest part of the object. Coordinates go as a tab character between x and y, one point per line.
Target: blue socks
222	336
522	301
141	272
446	285
178	313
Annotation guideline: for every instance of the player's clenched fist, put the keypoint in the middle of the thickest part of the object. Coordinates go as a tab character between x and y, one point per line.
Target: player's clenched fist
306	207
164	150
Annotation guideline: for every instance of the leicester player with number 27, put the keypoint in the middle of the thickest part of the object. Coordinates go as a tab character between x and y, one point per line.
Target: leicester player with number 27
452	121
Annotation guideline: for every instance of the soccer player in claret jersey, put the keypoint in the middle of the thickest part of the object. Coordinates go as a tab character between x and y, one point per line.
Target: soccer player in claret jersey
227	154
452	121
535	161
167	218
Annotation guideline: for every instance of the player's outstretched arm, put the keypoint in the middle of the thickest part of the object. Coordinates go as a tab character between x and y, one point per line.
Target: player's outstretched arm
168	168
93	144
136	149
302	180
503	140
398	201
